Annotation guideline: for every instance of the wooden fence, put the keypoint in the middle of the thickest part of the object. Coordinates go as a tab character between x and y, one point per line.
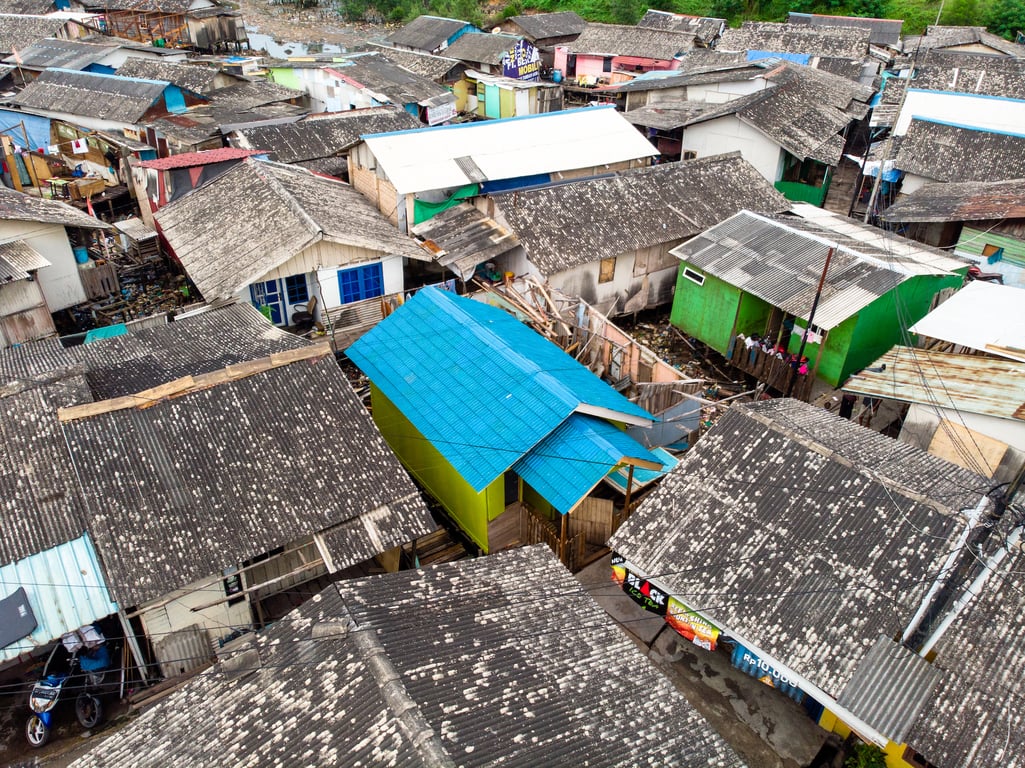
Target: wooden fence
100	281
771	370
535	529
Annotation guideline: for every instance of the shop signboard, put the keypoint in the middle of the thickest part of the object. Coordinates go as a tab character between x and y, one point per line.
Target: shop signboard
641	591
523	62
691	625
747	661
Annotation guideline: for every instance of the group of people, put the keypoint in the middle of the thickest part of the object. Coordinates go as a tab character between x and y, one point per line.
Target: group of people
756	343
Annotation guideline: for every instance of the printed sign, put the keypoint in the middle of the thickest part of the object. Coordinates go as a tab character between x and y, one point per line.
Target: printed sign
523	62
691	626
16	617
642	591
747	661
441	113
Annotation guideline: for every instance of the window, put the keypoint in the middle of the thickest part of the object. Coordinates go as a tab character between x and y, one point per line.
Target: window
607	270
694	277
993	253
295	288
361	283
606	64
688	154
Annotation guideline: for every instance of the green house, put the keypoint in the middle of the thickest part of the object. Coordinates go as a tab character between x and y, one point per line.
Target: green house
755	274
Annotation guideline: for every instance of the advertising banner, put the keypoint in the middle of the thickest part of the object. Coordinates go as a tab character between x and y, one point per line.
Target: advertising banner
691	626
523	62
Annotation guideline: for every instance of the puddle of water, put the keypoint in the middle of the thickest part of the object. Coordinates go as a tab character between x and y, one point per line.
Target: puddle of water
279	49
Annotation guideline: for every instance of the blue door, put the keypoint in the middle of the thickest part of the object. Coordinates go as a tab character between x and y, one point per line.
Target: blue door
266	297
361	283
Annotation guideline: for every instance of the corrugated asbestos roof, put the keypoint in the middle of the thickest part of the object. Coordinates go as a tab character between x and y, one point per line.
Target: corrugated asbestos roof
462	237
90	94
480	48
780	260
463	664
439	357
197	78
18	259
583	221
428	159
943	36
65	589
220	235
324	136
890	687
706	29
18	32
427	33
846	42
542	26
981	316
802	532
423	64
667	115
252	95
964	72
624	40
954	153
961	201
18	206
69	54
215	476
970	383
881	31
384	78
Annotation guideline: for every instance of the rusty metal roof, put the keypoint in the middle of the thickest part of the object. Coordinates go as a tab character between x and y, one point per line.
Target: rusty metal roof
961	201
971	383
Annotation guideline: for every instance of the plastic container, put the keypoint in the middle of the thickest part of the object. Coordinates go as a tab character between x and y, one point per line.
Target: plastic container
556	75
81	254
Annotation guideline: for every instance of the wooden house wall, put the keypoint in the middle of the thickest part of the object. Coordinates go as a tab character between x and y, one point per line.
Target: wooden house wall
23	313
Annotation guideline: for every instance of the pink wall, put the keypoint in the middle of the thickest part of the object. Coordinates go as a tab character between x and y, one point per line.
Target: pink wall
595	65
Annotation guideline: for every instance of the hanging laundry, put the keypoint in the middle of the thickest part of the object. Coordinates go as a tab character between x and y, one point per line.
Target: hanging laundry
53	149
80	146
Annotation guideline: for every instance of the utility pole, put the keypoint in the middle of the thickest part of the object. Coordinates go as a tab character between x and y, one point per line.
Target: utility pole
811	319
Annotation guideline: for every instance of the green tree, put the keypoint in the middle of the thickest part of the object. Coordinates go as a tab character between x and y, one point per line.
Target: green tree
875	9
865	756
961	13
1006	18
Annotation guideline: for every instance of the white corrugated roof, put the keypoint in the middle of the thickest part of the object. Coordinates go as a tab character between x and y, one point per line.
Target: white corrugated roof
425	159
982	316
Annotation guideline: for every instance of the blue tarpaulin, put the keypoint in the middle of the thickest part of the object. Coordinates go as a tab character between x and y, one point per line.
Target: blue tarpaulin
38	128
798	58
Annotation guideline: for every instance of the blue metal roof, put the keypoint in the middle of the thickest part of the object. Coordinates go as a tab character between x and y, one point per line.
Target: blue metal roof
66	590
477	383
642	477
567	464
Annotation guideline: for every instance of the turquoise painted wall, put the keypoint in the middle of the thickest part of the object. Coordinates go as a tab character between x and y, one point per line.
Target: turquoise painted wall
470	510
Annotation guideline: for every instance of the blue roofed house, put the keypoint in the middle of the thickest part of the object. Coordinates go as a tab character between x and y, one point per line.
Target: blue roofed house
491	418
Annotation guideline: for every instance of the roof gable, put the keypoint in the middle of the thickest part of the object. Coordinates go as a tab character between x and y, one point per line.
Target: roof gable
440	356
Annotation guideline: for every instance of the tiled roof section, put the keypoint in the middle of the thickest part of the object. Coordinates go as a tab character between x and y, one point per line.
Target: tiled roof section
18	32
543	26
195	159
191	77
27	7
51	52
18	206
633	210
426	33
881	31
220	474
780	258
456	665
482	48
18	259
462	237
327	136
257	93
946	37
441	356
984	74
944	152
88	94
845	42
39	496
380	75
961	201
802	532
144	6
219	231
975	716
666	115
423	64
705	28
624	40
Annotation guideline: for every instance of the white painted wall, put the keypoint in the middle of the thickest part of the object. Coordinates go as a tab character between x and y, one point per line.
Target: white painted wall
719	93
729	134
329	93
19	295
60	282
968	109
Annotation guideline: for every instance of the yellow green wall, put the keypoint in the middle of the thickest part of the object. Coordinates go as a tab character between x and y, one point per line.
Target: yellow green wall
894	752
470	510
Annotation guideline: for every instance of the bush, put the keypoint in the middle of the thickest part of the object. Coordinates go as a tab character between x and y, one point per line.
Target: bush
865	756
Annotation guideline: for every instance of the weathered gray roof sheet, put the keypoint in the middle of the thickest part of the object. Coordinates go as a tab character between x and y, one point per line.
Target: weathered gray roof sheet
947	36
18	206
482	48
424	64
584	221
705	28
944	152
426	33
217	475
780	259
624	40
376	72
220	231
544	26
961	201
845	42
462	237
667	115
802	532
68	54
249	95
18	32
18	259
323	136
89	94
881	31
192	77
464	656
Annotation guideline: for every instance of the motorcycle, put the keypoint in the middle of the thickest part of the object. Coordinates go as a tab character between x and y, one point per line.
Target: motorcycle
78	664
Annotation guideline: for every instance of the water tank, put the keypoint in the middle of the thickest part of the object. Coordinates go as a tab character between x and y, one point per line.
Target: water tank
556	75
81	254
